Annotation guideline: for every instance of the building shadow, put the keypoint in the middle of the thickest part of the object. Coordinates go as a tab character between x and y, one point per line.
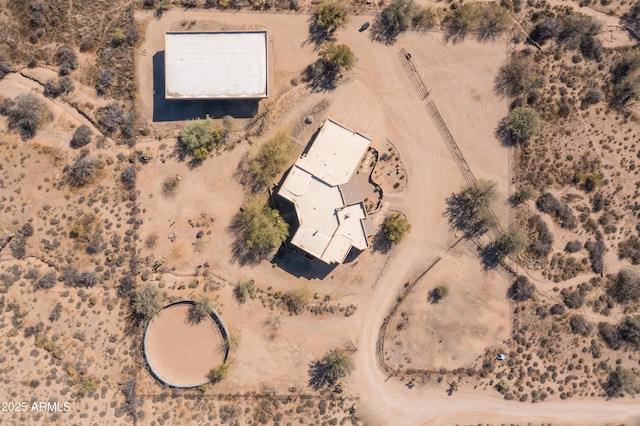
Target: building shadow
176	110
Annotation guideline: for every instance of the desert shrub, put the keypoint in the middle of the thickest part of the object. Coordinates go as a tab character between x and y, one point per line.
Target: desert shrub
629	331
56	87
573	299
147	301
396	227
67	59
620	381
591	48
47	281
592	97
545	30
244	291
5	67
18	246
630	249
487	21
330	15
200	309
394	19
558	309
104	81
625	76
573	246
110	117
515	77
438	293
574	28
625	287
540	236
508	243
296	301
523	123
83	170
170	185
326	71
220	372
557	209
597	250
55	313
271	159
25	114
86	279
425	18
199	138
610	335
521	289
128	176
580	325
81	137
469	210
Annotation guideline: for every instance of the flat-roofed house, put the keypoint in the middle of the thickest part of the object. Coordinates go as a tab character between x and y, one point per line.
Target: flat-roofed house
326	195
216	65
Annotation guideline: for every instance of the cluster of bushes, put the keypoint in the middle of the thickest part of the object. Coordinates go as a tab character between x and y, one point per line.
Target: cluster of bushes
580	325
522	289
25	114
572	31
540	236
574	299
485	21
18	244
5	67
56	87
597	250
620	381
81	137
573	246
83	170
113	118
630	249
625	334
66	59
625	286
625	77
557	209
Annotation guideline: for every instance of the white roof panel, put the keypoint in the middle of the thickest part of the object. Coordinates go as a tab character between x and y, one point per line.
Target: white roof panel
210	65
334	154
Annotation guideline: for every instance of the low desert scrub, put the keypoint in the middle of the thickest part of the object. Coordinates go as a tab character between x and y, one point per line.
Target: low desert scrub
296	301
619	382
333	366
83	171
557	209
81	137
244	291
57	87
128	177
438	293
26	113
170	186
67	60
625	287
540	236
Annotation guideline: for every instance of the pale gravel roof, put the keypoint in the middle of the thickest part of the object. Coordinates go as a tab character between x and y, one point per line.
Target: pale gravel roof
214	65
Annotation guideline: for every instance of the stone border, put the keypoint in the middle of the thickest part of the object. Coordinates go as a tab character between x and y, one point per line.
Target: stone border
221	327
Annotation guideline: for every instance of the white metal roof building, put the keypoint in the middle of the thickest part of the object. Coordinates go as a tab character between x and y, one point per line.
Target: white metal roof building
216	65
330	222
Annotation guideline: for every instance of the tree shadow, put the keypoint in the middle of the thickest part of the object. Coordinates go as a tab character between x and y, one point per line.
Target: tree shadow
381	243
318	35
320	77
383	33
491	255
454	34
317	375
180	153
194	317
502	134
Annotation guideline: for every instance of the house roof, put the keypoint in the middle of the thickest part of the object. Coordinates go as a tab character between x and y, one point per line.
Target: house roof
214	65
330	221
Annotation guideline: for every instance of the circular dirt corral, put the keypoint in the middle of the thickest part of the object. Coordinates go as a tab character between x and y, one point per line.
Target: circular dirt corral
179	352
